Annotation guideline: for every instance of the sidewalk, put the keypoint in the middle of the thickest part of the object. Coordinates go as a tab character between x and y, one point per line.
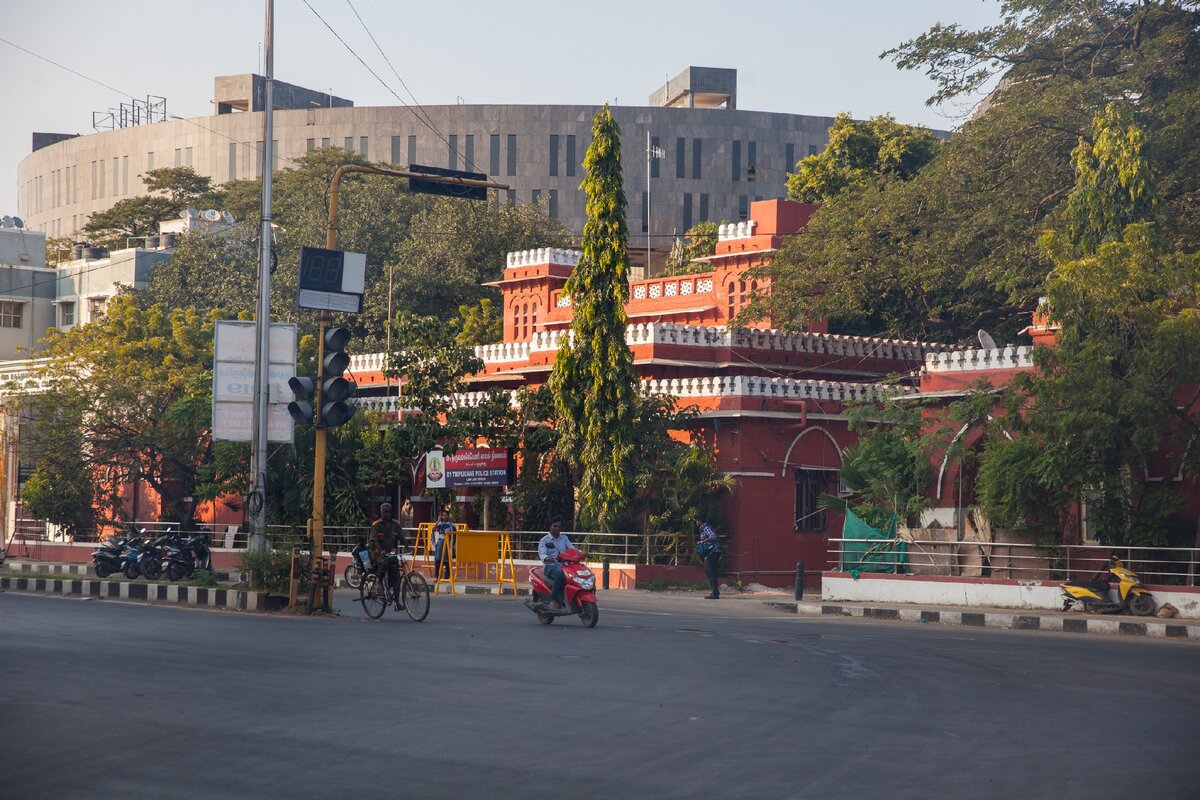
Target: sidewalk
1013	619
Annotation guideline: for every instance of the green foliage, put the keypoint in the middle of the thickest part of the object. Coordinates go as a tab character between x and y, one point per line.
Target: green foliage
860	153
269	570
482	323
956	247
172	190
1113	184
593	378
698	242
889	469
209	272
60	489
136	387
1108	407
203	577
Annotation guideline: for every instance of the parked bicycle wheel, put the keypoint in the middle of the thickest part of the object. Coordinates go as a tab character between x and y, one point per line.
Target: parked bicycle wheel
373	596
354	576
416	596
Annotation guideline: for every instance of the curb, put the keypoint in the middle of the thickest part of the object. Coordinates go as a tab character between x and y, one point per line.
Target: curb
1017	621
224	599
84	570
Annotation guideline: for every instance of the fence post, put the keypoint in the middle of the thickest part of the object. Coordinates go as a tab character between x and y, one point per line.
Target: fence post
799	580
606	563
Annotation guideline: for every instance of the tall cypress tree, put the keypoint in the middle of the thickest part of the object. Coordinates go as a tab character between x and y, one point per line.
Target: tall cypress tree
593	379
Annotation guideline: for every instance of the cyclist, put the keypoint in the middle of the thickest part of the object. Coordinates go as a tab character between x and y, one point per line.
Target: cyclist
386	536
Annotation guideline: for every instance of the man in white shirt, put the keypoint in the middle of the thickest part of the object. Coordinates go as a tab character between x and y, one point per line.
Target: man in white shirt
549	548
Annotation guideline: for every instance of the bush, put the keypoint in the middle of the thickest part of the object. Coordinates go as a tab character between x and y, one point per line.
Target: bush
203	577
268	570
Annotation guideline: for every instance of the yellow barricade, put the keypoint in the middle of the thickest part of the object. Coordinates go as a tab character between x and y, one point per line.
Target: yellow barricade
479	556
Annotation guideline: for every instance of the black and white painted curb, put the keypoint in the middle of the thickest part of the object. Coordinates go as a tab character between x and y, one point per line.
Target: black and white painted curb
82	570
225	599
1020	621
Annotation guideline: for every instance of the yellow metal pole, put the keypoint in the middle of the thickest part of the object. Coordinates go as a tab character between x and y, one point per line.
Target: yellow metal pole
317	523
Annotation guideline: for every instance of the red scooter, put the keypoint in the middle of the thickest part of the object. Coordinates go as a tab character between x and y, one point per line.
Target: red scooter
580	591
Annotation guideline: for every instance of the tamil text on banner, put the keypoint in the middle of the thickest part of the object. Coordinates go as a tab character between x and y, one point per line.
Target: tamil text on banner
476	466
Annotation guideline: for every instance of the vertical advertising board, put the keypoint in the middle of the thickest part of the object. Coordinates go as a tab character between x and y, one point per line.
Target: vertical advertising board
233	381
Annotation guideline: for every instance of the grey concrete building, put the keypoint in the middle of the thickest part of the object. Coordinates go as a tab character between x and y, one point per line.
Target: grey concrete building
715	158
27	291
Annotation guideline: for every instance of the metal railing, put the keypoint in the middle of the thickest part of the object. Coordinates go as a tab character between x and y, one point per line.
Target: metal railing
623	548
1167	566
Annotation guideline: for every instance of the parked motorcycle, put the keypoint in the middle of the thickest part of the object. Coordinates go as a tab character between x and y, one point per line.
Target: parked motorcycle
1094	595
131	556
580	591
106	558
186	556
150	561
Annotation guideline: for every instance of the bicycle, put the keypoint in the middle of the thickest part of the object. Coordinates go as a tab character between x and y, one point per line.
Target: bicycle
376	591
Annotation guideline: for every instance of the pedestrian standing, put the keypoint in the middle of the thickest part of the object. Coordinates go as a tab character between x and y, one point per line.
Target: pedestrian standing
709	549
441	555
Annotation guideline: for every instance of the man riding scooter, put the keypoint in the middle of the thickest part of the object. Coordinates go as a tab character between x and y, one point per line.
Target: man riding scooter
549	548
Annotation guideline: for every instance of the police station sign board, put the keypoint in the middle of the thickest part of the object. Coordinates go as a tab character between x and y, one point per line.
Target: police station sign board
233	381
477	466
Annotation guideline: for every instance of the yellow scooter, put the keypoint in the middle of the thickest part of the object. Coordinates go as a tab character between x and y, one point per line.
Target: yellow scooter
1094	595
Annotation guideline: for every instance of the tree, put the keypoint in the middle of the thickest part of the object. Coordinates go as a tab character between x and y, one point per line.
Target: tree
859	153
1112	406
482	323
135	386
700	241
1113	185
60	490
888	469
956	247
593	379
172	190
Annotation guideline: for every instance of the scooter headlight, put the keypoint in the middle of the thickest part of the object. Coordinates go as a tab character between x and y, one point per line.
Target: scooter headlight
586	583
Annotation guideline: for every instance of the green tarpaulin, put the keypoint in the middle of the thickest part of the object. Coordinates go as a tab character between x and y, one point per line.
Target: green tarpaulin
872	550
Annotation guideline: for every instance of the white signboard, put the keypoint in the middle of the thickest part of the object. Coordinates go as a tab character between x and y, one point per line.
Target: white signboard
233	381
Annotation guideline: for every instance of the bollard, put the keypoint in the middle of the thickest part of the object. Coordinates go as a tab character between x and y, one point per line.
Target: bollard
799	580
604	583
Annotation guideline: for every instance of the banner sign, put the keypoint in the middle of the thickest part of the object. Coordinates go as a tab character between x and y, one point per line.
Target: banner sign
477	466
233	381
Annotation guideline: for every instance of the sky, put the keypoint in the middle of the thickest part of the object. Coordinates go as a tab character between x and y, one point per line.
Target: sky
797	56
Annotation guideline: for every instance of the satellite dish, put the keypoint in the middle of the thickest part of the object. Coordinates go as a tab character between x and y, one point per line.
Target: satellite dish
7	222
986	340
211	214
227	217
18	222
191	212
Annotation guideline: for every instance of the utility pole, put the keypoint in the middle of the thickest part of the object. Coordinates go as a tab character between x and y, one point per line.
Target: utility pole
262	318
651	153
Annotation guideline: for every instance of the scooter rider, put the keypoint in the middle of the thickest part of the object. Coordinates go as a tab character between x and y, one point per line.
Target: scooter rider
549	548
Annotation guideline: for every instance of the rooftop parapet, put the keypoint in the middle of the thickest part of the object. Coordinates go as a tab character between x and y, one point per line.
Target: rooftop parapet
997	358
544	255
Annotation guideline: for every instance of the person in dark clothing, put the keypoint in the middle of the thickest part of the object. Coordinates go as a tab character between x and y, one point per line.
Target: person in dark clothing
709	547
386	536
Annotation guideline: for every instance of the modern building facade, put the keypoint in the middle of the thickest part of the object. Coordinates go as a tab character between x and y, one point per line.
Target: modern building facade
715	159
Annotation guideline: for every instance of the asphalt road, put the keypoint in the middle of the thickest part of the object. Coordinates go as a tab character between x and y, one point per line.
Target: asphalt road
666	698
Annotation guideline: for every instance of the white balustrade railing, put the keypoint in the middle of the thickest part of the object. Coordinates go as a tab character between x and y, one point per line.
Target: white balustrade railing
780	388
1011	357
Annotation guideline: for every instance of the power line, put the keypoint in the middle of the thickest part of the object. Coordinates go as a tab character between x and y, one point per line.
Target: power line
403	102
252	146
429	121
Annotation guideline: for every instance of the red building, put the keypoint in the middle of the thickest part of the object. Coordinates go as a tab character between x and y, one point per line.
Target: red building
770	402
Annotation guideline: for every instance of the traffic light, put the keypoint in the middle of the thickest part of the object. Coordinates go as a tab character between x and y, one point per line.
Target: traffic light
305	390
337	392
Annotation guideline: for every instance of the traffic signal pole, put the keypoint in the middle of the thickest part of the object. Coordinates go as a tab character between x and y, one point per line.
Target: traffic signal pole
317	523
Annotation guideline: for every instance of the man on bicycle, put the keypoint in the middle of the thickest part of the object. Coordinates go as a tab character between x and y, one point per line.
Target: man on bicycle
386	536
